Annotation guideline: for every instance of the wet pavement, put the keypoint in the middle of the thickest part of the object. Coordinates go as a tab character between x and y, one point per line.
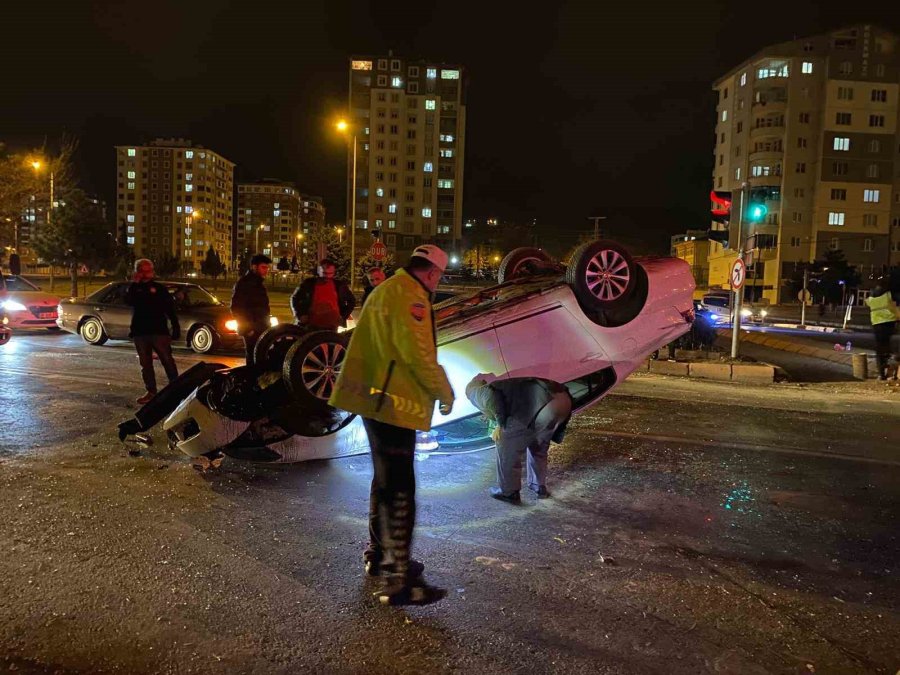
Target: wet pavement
694	527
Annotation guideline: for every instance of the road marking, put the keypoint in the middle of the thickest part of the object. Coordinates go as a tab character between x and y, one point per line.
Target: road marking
738	446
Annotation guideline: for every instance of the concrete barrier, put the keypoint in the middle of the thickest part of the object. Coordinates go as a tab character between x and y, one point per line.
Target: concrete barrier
679	369
710	371
756	373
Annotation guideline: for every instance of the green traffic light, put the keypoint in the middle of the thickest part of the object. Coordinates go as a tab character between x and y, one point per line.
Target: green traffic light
756	212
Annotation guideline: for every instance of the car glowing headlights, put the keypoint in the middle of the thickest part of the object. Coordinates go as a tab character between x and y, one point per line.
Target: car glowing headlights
13	306
746	313
231	325
273	320
763	313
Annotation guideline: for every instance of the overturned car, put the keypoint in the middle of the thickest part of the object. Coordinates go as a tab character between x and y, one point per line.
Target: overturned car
588	325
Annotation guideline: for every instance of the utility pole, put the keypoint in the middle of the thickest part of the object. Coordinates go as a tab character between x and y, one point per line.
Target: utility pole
803	296
738	292
597	220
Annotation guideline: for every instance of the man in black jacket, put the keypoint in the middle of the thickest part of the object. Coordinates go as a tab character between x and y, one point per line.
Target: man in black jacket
529	413
153	310
323	302
250	303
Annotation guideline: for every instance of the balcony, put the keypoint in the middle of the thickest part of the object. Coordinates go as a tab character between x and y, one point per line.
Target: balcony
772	106
770	131
764	155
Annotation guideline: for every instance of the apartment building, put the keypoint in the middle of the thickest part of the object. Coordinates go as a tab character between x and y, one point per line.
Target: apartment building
175	197
809	129
409	120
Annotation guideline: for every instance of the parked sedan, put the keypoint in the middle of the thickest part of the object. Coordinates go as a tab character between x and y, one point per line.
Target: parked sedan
206	323
26	305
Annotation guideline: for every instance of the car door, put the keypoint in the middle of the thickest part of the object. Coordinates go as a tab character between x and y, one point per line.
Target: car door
114	312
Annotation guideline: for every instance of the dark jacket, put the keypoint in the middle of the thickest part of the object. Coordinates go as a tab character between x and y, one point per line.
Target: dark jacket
153	310
367	291
250	304
303	295
518	398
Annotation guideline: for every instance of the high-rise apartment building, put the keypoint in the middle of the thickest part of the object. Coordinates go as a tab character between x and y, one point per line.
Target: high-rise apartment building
410	119
809	128
268	219
177	198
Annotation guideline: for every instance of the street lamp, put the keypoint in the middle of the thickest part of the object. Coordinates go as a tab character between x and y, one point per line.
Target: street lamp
37	165
340	233
344	127
257	236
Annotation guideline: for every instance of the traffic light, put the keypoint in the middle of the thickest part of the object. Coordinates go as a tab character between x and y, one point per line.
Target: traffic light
720	213
756	212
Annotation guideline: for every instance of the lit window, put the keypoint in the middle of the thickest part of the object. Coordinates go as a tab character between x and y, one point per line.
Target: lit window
724	115
131	174
131	152
392	208
743	79
392	224
379	192
871	195
429	104
396	82
130	217
427	167
189	154
835	218
431	72
841	144
188	188
130	240
445	183
276	212
446	152
807	67
426	212
189	176
449	74
131	186
447	138
247	211
361	65
188	209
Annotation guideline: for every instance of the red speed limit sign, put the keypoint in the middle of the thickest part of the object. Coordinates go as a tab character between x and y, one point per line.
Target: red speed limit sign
738	274
378	251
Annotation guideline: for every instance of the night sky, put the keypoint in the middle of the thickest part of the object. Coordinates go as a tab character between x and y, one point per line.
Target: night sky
578	110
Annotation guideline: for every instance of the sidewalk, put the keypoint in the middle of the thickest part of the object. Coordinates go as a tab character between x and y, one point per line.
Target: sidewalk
798	345
789	315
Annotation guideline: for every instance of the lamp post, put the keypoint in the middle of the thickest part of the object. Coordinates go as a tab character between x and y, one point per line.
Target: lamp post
257	237
344	127
340	233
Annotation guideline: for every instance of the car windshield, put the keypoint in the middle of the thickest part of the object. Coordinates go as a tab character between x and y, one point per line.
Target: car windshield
715	301
193	296
15	283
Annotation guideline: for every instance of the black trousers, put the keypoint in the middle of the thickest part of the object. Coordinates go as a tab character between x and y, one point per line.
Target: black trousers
883	333
392	499
250	340
145	345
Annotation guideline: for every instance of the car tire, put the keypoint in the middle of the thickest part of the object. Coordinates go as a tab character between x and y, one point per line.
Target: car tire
91	331
602	274
203	339
312	366
274	343
521	262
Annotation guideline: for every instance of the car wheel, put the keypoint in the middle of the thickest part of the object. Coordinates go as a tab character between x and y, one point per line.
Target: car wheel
602	274
92	332
203	339
273	345
312	366
521	262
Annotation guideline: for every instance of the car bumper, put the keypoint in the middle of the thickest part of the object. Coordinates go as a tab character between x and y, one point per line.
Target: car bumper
29	320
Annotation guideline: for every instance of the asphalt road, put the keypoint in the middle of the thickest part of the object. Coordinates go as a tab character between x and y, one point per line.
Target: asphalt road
695	527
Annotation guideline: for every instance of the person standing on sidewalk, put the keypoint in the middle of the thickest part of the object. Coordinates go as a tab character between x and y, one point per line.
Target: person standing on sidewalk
250	303
154	324
391	378
323	302
884	315
529	412
375	276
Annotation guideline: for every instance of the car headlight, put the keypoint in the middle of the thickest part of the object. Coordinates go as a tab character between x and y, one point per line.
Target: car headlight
5	320
231	325
746	312
13	306
714	317
763	313
273	321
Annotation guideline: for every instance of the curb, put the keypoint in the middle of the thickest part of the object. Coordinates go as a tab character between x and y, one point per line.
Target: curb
785	345
749	373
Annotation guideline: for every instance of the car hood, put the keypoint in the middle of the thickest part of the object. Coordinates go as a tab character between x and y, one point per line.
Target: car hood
31	298
212	314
